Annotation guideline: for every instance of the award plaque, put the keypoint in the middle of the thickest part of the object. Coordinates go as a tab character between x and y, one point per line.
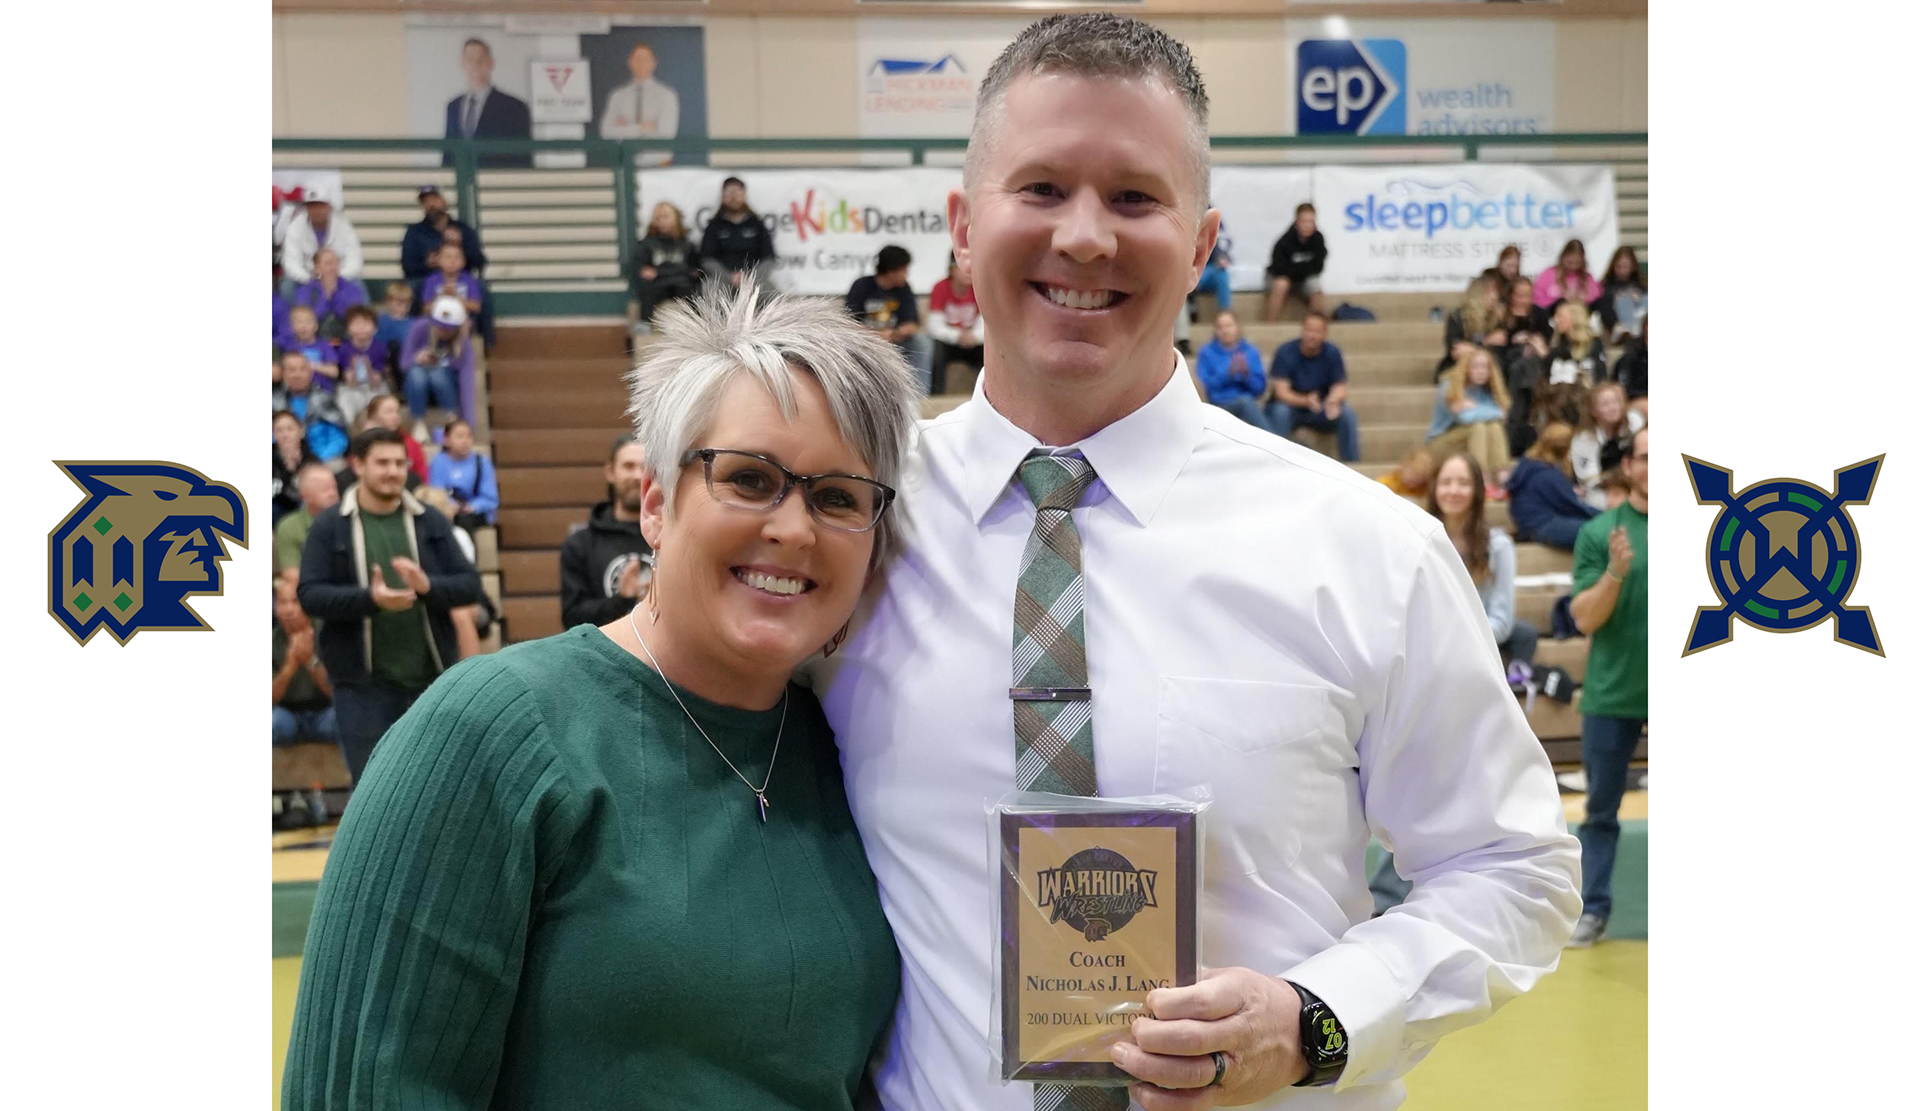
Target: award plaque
1098	907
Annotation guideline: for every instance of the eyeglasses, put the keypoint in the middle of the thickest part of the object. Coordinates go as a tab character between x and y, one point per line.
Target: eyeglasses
743	480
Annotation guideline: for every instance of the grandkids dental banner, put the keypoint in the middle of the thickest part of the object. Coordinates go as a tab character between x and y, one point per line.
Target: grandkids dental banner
1434	227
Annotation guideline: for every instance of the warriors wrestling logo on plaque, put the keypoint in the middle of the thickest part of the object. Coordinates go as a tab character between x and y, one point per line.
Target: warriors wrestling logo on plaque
1783	555
144	539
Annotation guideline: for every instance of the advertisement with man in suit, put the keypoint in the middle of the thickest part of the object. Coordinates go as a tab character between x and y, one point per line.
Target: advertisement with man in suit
482	111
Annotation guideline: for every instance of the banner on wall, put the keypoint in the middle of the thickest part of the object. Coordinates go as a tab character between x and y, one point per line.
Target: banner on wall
562	92
918	77
828	225
1422	77
1435	227
1256	205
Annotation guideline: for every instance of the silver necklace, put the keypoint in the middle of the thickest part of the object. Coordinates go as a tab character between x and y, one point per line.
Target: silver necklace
760	792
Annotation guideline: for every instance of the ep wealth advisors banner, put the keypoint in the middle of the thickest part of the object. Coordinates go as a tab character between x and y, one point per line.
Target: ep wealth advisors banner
828	225
1435	227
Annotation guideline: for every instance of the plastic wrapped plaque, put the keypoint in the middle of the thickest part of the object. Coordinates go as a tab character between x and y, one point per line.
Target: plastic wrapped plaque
1097	904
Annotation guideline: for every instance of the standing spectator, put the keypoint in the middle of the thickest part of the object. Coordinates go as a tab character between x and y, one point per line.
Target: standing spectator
605	566
290	453
1505	271
319	414
1413	476
365	363
736	242
318	226
1230	370
1565	280
368	563
1610	606
1480	321
1603	441
1630	370
1298	257
304	336
958	331
467	477
644	108
884	302
302	696
485	112
1309	380
422	239
384	412
319	491
437	360
666	264
1218	275
451	278
1470	414
1545	506
329	295
1623	295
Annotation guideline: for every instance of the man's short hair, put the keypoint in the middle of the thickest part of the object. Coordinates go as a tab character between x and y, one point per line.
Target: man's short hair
378	434
358	311
1093	45
732	181
892	257
646	46
481	43
1314	314
288	413
291	353
1304	206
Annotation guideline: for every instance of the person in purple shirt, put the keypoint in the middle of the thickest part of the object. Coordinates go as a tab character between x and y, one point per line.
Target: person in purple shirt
452	279
329	295
1229	370
466	476
303	329
281	332
365	363
437	360
1310	388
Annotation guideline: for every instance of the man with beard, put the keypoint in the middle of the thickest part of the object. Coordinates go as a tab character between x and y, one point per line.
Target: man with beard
1356	690
422	239
605	564
736	242
382	573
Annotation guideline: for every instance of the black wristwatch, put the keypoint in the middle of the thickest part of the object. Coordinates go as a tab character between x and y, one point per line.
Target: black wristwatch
1323	1041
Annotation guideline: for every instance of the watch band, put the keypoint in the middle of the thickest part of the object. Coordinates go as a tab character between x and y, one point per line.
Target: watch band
1324	1065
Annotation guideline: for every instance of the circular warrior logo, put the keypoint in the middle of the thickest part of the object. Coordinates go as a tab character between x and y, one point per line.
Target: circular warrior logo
1096	891
1783	555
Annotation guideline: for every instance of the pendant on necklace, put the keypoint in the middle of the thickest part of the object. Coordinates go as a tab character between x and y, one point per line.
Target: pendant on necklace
763	805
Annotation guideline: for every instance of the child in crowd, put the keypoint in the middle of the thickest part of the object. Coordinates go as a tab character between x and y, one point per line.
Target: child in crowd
304	336
1413	476
466	476
396	316
436	362
364	363
451	278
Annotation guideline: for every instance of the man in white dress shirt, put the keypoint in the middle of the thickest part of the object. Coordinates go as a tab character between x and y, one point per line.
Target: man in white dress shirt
644	108
1257	619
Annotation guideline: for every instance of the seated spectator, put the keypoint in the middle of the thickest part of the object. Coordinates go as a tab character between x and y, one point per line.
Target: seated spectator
319	415
605	565
1565	280
884	302
437	360
666	264
1480	321
1470	414
302	696
395	319
736	242
1506	271
1630	370
1309	382
468	623
1545	507
364	363
1550	377
1218	276
329	295
1230	371
1414	474
318	490
303	328
466	476
453	279
436	224
290	453
954	322
281	327
319	226
1623	296
1298	257
384	412
1604	439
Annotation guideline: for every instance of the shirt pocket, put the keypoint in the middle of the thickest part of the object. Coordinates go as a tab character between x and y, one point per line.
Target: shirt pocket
1269	753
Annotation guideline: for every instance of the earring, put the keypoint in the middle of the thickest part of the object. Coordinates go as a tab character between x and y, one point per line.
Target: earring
839	638
653	591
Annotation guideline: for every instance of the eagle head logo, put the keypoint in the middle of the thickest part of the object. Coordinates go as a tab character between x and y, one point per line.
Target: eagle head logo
143	539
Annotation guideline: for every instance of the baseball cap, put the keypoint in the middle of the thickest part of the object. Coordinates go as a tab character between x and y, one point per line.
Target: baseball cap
447	312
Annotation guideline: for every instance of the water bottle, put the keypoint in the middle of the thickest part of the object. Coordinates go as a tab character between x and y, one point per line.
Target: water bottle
317	805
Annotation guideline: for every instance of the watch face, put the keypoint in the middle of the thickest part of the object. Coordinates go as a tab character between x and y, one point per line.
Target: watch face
1326	1042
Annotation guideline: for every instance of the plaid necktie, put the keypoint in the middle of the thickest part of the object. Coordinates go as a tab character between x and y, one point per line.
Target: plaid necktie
1053	707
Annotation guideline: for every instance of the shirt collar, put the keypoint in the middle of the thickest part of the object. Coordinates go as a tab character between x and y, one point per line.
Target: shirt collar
1136	457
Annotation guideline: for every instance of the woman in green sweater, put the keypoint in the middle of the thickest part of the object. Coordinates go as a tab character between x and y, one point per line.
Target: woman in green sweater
615	868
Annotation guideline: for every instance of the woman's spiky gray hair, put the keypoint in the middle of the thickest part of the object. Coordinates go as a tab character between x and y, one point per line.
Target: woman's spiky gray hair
700	346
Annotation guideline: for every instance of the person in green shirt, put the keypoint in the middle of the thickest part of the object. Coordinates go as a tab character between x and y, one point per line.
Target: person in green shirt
1610	606
319	491
616	868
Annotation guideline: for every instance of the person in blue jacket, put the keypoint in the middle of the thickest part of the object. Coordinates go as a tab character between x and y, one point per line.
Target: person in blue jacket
467	477
1540	492
1230	370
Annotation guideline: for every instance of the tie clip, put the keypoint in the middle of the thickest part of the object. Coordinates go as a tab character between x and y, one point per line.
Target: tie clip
1050	694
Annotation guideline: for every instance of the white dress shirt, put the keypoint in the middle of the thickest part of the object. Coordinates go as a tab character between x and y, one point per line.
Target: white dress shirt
642	110
1260	620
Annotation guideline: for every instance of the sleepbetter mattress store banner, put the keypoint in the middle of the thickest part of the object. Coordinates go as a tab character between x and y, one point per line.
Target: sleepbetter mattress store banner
1435	227
828	225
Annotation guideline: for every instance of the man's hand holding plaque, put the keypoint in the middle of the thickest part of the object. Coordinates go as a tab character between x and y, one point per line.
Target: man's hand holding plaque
1252	1018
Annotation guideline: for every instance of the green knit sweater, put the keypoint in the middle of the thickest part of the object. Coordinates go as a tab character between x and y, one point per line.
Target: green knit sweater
549	892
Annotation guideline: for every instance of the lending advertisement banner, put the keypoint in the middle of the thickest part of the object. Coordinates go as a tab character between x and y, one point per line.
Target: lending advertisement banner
1435	227
828	225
